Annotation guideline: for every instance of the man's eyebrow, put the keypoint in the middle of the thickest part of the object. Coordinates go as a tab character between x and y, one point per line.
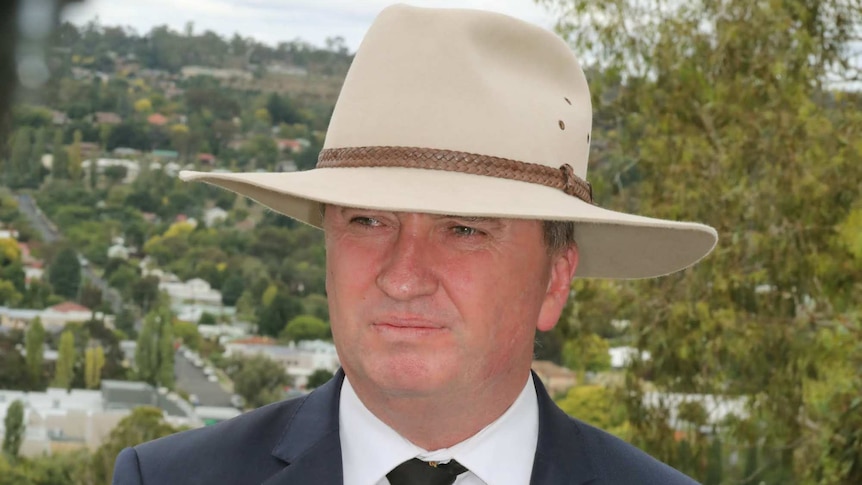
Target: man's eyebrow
468	218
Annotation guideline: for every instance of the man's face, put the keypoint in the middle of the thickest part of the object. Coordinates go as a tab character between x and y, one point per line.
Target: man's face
425	304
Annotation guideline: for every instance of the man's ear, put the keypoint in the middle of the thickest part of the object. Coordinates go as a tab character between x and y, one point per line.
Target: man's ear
563	268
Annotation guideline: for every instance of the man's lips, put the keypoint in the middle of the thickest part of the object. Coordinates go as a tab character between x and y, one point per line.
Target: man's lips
407	324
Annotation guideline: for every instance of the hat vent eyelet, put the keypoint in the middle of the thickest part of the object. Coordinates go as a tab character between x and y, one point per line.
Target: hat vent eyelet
588	137
568	100
562	125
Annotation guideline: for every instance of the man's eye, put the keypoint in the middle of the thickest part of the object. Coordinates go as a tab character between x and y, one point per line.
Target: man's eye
365	221
466	231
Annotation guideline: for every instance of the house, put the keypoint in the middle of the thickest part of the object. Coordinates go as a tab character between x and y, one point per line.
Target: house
157	119
207	158
53	319
33	271
286	70
286	144
165	154
133	169
222	74
118	251
557	379
718	408
299	360
59	315
214	216
107	118
126	152
90	149
59	118
192	291
58	420
622	356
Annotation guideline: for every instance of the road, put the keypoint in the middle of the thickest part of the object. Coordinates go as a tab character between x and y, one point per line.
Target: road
37	219
50	234
193	381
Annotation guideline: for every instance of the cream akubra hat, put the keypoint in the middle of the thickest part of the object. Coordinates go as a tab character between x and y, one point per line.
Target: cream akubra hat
466	112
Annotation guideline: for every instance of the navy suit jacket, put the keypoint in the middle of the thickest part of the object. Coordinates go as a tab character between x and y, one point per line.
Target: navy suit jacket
296	442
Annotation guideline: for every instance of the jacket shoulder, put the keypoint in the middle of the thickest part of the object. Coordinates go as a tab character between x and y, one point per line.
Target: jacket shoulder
234	451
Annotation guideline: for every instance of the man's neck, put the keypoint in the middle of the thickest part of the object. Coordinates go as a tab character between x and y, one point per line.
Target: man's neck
443	421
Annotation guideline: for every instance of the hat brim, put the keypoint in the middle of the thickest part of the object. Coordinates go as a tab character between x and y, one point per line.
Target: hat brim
611	244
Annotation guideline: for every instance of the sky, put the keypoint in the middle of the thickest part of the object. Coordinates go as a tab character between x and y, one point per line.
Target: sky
272	21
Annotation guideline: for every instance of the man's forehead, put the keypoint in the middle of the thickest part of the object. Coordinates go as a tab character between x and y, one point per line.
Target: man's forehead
466	218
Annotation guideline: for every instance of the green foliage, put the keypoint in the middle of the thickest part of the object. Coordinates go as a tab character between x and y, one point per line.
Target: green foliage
15	427
64	273
34	342
588	352
13	366
188	333
60	161
598	406
94	362
727	113
145	423
277	309
305	327
154	356
258	379
12	284
232	289
65	368
318	378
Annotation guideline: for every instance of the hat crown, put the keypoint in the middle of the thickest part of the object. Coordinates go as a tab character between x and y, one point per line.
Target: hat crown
467	81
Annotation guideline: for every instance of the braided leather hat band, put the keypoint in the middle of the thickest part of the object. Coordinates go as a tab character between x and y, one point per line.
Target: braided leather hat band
563	178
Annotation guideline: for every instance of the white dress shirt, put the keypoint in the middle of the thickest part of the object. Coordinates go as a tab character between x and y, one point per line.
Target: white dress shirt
500	454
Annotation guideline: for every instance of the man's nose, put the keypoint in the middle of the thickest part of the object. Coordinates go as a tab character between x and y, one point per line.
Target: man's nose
407	272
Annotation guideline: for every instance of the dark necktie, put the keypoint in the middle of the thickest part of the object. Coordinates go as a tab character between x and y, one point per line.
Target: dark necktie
418	472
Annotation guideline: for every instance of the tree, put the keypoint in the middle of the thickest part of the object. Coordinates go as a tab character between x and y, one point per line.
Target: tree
34	342
587	352
318	378
35	173
65	273
60	162
154	356
232	289
15	427
65	369
115	174
598	406
278	308
75	158
145	292
145	423
18	171
305	327
258	379
94	361
91	296
188	333
13	365
748	96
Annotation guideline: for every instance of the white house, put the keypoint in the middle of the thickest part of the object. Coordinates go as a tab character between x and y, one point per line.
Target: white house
214	216
192	291
299	360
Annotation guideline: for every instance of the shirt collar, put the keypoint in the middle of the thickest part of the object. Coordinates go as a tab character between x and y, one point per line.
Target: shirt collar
501	453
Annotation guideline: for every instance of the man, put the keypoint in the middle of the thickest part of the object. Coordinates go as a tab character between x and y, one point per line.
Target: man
458	138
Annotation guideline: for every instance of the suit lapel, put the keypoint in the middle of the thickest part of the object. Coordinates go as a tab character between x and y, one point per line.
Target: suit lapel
310	445
562	457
